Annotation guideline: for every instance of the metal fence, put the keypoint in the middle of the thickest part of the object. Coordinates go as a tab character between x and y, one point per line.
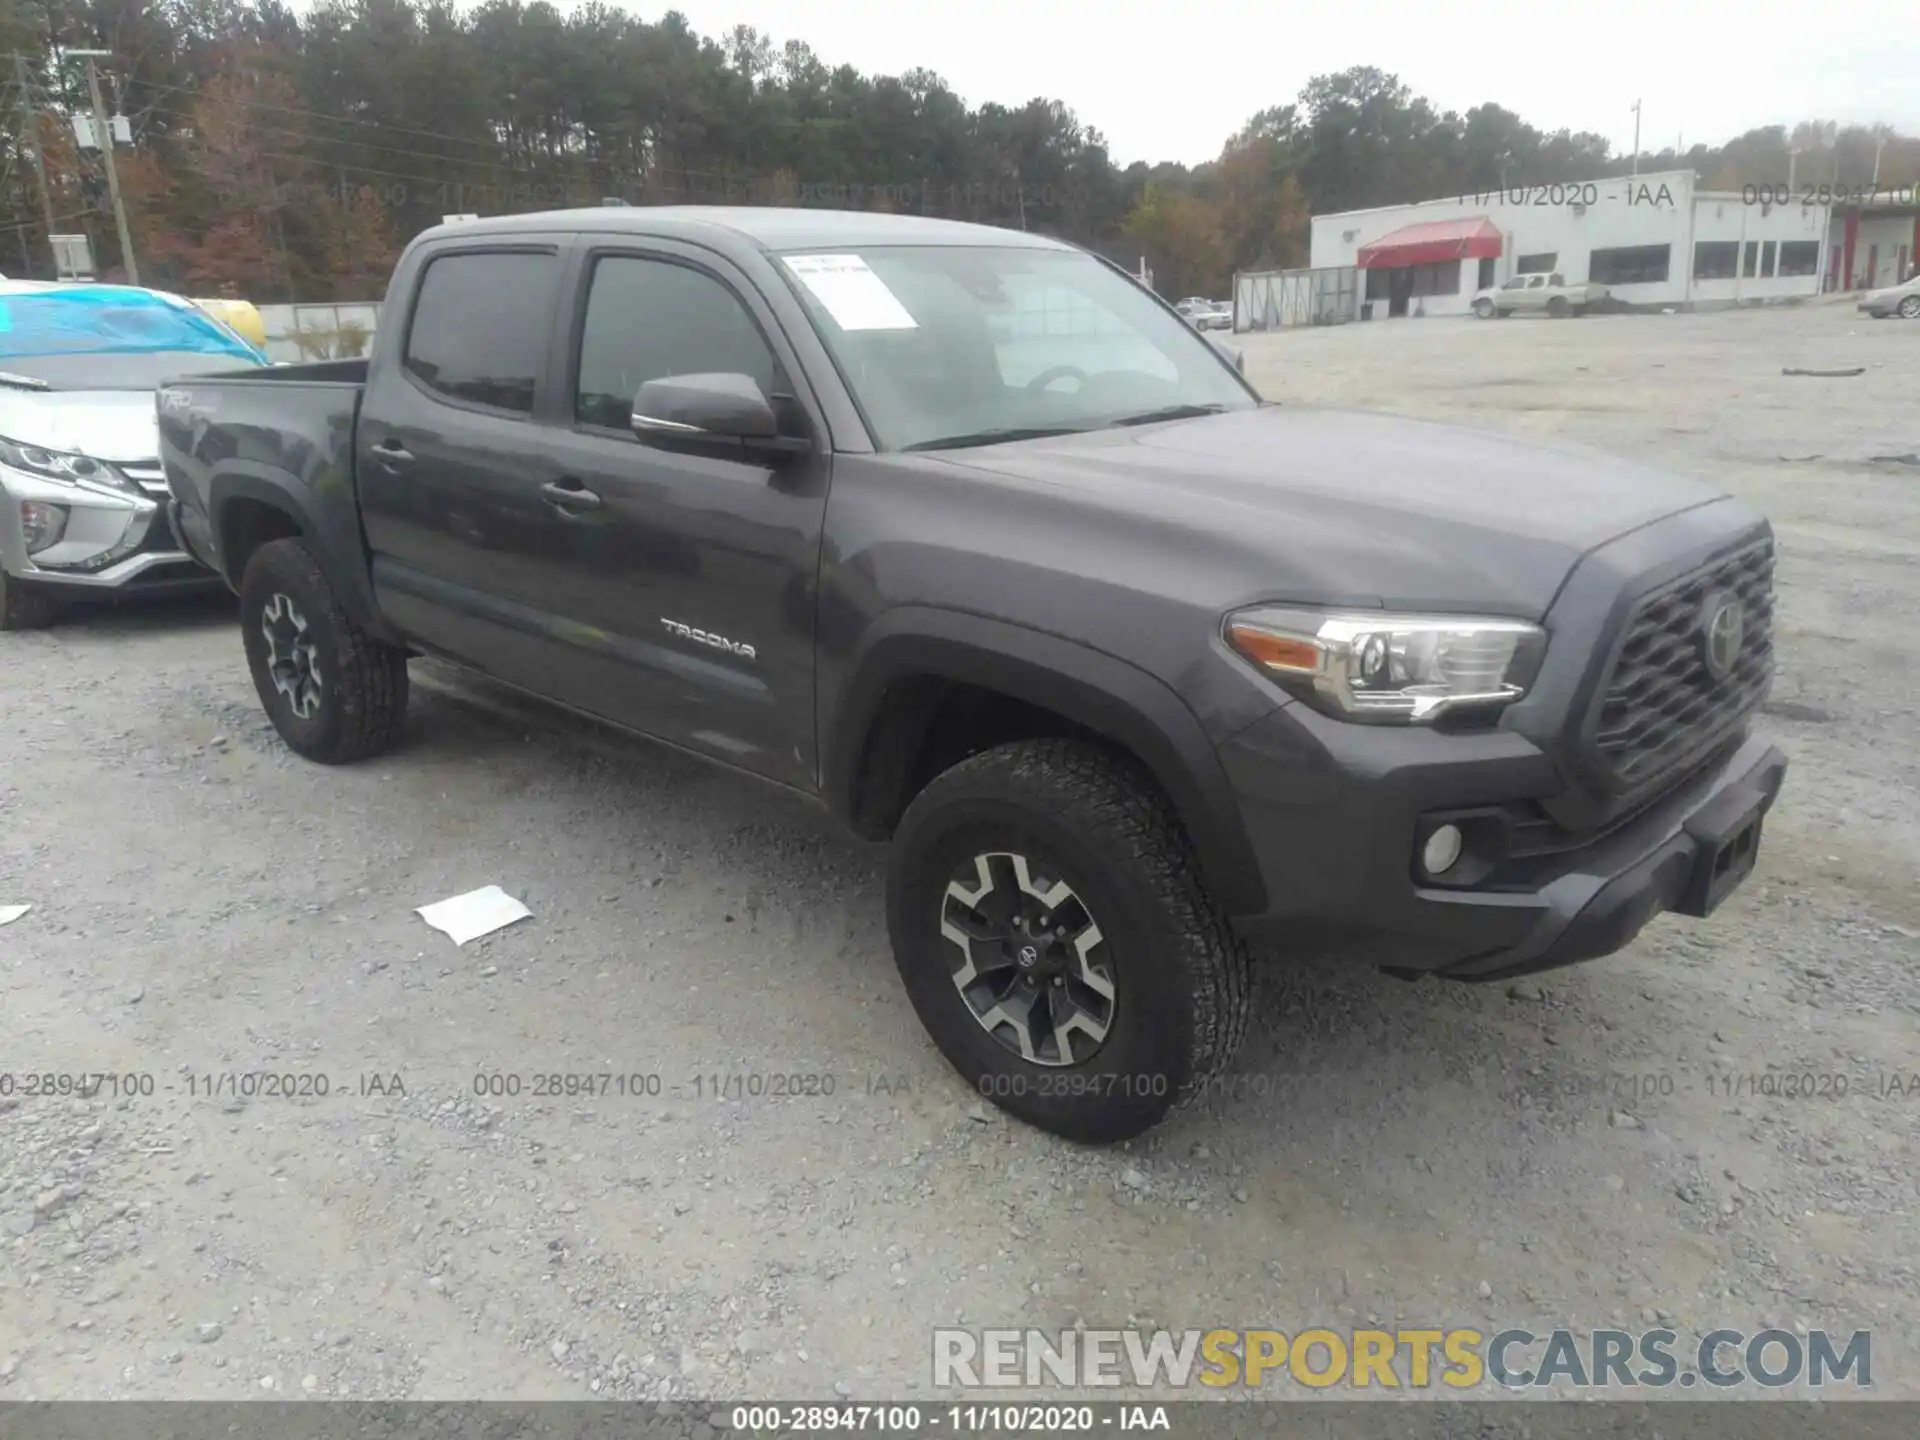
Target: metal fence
1282	299
319	332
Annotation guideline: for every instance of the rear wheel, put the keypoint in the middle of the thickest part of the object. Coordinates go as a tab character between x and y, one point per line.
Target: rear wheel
334	692
22	607
1910	308
1057	941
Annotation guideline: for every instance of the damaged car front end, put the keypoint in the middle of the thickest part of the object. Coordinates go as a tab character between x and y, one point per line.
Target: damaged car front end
83	501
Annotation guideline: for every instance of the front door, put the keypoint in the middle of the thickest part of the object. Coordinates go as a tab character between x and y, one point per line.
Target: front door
684	588
448	460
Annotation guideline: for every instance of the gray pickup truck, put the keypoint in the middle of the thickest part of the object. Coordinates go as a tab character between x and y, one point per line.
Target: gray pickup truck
970	538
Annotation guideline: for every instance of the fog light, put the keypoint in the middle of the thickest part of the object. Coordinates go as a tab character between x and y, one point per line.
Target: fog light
42	524
1437	856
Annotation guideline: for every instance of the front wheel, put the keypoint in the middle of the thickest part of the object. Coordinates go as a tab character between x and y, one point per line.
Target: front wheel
1557	307
1483	308
1057	942
334	692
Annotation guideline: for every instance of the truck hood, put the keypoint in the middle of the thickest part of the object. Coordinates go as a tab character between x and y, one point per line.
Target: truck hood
1357	508
114	425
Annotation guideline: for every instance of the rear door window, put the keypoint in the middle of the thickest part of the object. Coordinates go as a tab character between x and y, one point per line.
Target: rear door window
480	327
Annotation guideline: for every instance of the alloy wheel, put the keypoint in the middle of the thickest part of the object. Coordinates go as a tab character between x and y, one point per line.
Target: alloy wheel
292	656
1029	961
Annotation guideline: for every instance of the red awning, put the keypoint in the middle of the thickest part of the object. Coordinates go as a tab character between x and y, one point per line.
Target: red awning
1428	244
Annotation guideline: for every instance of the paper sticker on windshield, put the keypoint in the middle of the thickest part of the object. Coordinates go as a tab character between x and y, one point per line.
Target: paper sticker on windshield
851	293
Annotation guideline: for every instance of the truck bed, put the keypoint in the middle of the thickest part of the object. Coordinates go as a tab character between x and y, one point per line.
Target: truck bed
284	433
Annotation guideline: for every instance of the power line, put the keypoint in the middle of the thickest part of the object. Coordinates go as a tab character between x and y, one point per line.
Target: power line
200	92
491	163
798	122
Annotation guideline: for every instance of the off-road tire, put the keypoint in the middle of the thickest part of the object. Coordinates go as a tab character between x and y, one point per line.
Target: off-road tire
363	697
1181	979
24	608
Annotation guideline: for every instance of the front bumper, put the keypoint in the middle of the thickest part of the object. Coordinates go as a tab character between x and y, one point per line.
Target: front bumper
1343	881
113	543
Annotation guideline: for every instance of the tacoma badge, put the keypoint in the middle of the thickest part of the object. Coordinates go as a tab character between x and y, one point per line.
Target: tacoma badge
718	642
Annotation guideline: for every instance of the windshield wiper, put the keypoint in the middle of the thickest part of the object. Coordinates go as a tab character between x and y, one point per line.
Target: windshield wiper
998	436
1171	412
22	382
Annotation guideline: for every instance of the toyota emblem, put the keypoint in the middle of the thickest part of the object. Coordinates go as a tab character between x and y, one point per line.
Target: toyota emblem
1722	627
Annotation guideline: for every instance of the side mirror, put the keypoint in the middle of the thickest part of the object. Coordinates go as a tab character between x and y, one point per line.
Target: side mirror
714	409
1230	353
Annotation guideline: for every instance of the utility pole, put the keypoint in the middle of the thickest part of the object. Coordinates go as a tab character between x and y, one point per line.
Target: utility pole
103	133
1636	137
30	137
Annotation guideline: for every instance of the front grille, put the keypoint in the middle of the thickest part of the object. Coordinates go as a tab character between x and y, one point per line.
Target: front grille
1662	705
150	478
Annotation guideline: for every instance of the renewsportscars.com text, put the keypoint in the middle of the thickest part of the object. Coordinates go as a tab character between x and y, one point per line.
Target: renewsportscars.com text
1460	1359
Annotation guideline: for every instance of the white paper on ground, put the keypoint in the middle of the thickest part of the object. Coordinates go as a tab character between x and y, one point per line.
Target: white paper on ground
11	913
853	295
476	913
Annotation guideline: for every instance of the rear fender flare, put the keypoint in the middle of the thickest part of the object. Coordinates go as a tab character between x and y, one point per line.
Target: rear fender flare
329	522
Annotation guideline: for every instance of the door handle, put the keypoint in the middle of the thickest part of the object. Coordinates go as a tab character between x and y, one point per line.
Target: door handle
570	495
392	455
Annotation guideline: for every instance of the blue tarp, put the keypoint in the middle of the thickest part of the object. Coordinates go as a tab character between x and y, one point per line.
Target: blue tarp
111	320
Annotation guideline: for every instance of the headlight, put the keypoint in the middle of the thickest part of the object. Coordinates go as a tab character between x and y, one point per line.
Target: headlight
63	468
42	524
1391	669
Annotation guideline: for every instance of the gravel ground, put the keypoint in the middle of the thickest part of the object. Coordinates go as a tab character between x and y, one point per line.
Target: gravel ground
1562	1151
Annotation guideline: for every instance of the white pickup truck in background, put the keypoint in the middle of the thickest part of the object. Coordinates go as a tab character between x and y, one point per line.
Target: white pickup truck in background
1547	294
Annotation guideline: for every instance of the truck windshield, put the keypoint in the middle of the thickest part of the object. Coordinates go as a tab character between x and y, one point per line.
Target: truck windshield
945	346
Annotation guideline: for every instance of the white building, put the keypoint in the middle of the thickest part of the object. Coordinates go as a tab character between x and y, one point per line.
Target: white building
1652	240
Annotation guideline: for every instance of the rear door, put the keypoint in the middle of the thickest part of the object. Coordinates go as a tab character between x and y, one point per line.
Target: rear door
449	458
684	590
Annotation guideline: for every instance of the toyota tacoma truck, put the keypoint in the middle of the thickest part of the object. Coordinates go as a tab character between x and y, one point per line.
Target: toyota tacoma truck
965	535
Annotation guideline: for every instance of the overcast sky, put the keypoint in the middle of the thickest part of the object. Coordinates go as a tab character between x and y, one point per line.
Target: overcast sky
1705	72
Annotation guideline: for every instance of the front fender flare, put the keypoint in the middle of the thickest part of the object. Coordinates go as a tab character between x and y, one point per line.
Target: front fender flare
1097	691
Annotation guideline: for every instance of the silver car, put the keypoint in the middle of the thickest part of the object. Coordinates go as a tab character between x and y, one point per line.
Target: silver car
1215	315
1901	300
83	501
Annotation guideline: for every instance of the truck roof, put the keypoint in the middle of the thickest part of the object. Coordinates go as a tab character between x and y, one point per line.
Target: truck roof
762	227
